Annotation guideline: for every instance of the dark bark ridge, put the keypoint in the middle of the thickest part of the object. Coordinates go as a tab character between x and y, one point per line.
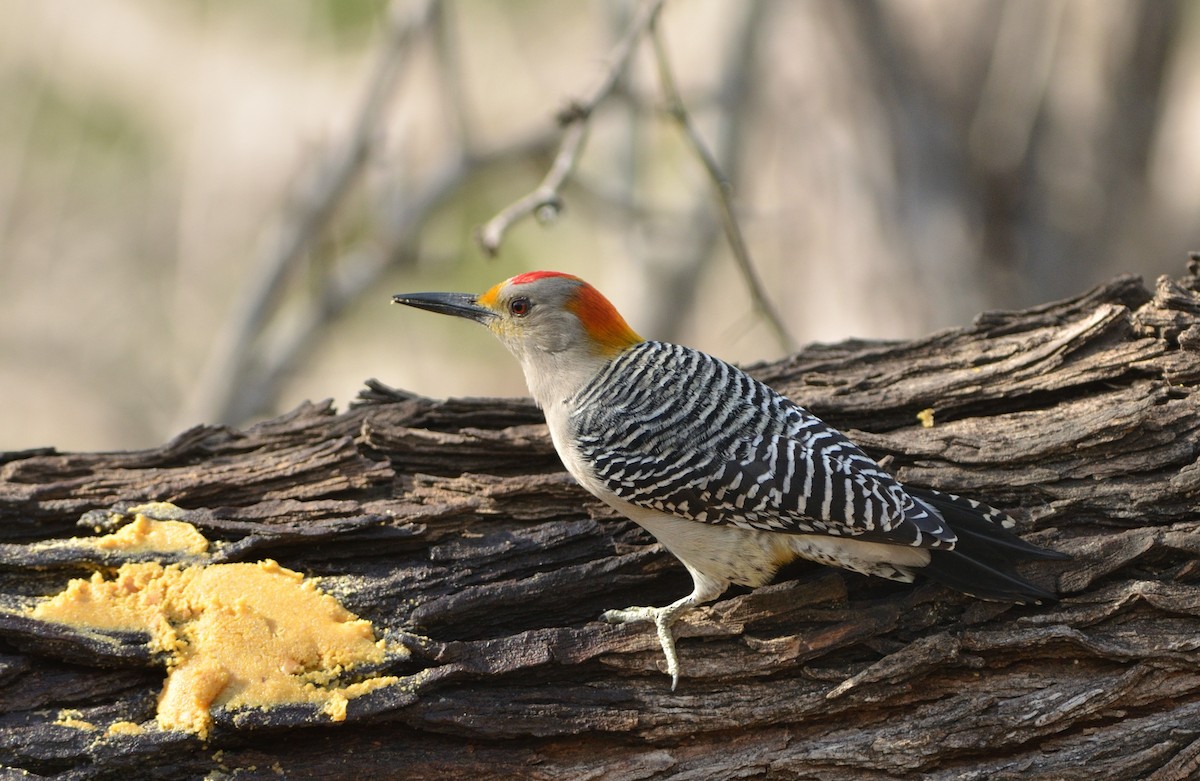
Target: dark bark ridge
452	526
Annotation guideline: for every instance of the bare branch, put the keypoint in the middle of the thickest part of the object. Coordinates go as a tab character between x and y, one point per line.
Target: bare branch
450	79
215	395
1018	77
545	201
684	245
722	189
359	272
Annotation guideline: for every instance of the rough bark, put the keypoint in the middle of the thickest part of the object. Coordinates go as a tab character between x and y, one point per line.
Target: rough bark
452	526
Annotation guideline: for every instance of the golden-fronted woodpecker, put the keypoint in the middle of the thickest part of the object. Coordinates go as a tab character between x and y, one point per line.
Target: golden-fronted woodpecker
731	477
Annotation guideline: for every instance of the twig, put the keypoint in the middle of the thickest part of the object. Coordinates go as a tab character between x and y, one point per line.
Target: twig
361	271
545	201
1001	129
447	52
679	263
215	396
722	189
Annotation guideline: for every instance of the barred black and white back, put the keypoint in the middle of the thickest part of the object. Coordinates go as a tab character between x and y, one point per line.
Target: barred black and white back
728	449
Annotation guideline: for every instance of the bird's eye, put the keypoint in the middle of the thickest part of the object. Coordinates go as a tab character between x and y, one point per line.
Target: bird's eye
519	307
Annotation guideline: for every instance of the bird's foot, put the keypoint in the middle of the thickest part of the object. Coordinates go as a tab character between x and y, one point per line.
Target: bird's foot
662	618
629	615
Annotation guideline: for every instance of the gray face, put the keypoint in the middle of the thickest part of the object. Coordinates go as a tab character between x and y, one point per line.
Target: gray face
529	317
536	316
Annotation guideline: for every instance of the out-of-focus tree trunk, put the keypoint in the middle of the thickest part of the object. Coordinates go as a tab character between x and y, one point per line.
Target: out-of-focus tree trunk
452	526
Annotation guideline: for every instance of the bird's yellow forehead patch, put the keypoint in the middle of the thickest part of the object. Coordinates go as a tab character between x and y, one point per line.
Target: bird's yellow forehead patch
491	296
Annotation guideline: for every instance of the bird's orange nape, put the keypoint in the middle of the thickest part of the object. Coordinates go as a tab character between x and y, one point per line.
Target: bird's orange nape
609	331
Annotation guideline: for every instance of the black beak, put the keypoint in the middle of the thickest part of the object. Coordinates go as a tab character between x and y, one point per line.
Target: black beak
457	304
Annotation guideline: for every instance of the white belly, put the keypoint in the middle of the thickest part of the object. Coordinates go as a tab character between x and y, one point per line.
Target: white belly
749	557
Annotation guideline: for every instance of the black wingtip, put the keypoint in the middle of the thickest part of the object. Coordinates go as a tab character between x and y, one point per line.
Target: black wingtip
983	580
981	563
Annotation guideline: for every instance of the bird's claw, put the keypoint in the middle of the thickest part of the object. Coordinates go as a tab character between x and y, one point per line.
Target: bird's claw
662	618
628	615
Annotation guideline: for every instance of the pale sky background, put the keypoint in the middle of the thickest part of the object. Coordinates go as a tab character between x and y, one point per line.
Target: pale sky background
897	167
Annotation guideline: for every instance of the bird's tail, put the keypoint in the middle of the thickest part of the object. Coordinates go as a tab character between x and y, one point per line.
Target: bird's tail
981	563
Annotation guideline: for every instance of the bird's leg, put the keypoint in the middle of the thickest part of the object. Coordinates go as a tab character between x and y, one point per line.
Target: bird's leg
663	618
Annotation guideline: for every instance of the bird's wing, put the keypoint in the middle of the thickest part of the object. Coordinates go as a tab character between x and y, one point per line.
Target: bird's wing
783	486
737	452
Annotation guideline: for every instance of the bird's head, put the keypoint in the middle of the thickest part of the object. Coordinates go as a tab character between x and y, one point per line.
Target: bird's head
552	322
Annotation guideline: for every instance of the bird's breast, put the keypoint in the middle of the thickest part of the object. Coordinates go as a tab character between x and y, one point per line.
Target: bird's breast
746	557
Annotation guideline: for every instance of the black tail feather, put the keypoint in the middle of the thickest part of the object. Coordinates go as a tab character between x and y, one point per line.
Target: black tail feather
982	561
982	580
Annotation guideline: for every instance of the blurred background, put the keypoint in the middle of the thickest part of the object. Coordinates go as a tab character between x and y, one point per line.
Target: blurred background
205	205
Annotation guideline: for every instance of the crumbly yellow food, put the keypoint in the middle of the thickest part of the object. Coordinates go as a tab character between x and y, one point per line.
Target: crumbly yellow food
235	635
926	417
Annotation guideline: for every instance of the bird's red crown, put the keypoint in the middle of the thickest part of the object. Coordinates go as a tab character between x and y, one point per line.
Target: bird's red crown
599	317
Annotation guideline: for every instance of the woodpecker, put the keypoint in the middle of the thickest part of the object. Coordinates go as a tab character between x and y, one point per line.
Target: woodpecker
732	478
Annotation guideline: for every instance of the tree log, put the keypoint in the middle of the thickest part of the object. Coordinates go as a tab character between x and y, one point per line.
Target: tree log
452	526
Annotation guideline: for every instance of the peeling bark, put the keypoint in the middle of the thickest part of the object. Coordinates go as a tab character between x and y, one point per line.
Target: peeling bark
452	526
